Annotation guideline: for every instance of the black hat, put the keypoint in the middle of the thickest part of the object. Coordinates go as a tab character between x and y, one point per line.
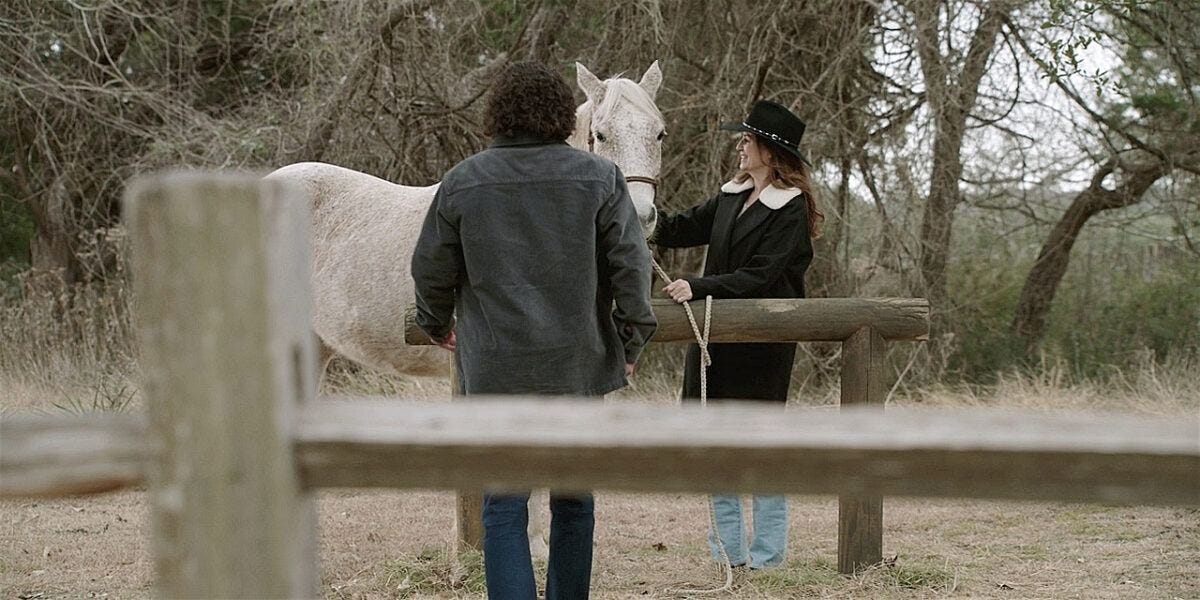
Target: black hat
774	123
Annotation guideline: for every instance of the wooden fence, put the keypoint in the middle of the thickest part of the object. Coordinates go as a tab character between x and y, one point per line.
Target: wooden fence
231	446
864	326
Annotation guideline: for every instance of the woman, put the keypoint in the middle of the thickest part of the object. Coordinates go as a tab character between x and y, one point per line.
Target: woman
759	231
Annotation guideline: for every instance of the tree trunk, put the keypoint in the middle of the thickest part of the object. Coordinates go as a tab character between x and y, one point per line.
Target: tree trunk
52	259
951	98
1037	296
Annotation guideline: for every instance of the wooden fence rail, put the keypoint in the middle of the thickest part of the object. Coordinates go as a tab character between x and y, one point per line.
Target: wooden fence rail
518	444
778	320
231	448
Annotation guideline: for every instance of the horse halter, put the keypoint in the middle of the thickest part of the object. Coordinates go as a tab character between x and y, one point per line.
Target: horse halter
651	181
639	179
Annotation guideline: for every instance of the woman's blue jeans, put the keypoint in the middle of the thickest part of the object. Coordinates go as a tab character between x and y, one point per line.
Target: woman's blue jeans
506	560
769	546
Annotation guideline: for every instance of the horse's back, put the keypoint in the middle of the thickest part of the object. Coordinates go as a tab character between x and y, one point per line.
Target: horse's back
364	230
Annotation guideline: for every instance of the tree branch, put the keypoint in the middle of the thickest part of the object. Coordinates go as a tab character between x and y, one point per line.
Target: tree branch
1075	97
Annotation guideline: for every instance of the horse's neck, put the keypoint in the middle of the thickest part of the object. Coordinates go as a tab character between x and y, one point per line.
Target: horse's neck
583	127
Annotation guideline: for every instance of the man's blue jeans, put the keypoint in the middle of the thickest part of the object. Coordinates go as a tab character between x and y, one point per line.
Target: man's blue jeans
769	547
506	558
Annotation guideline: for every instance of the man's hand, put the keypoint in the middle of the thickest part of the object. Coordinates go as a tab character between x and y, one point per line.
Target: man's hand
450	342
630	369
679	290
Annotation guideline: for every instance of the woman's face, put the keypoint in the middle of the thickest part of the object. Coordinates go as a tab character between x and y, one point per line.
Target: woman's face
751	156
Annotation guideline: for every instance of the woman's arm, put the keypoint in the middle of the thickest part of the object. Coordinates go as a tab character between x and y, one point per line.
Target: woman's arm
692	227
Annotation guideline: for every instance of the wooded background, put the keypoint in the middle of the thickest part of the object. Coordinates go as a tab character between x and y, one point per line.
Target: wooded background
1029	166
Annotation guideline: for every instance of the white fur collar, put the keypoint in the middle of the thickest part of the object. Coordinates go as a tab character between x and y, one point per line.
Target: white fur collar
773	197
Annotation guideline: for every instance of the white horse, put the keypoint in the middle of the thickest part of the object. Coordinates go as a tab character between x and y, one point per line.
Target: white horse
364	229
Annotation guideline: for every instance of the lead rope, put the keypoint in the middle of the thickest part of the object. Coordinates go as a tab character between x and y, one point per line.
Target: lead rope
701	339
705	362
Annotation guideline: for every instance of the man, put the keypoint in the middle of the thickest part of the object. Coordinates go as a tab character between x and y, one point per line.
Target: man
532	241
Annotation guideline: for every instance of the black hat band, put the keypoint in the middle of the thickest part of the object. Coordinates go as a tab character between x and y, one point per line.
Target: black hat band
770	136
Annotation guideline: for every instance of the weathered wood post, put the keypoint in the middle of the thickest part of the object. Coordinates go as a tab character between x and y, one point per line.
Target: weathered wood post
468	504
228	354
860	518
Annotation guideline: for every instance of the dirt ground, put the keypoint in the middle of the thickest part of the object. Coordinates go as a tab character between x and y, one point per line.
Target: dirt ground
373	545
387	544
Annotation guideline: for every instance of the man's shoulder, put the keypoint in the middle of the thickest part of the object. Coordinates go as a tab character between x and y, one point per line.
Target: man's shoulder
599	163
559	161
469	172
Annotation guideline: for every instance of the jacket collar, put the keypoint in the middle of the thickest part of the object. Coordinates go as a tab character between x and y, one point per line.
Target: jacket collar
774	198
522	139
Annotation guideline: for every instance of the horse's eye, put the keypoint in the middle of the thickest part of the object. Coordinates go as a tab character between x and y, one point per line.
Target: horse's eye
661	135
600	137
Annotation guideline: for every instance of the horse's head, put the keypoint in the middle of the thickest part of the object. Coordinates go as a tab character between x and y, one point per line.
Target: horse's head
620	122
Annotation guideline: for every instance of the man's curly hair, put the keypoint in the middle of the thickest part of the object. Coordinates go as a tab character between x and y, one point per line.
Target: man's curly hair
527	98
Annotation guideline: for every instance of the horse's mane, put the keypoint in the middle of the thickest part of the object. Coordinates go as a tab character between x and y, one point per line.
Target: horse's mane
616	89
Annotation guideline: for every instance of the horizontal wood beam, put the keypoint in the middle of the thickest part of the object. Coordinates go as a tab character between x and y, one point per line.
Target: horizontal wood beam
496	443
1112	458
777	320
72	454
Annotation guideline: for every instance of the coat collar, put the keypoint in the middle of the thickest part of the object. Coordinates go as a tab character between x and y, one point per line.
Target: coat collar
774	198
521	139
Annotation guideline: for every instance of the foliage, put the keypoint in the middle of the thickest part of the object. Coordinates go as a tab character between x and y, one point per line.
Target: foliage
94	94
1153	310
16	229
1129	294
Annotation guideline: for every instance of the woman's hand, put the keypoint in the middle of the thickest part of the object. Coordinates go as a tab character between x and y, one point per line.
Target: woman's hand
679	290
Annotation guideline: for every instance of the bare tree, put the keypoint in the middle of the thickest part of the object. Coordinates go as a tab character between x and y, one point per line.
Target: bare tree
1162	46
89	90
951	90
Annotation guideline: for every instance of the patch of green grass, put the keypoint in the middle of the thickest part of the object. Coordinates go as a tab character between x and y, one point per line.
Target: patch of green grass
916	575
797	574
959	529
1097	523
1033	551
814	575
1007	520
434	572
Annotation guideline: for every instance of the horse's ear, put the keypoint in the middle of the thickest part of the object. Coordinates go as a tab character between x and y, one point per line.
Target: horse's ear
590	84
652	80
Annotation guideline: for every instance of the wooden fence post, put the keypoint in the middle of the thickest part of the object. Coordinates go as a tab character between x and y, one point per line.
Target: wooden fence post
221	269
860	518
468	504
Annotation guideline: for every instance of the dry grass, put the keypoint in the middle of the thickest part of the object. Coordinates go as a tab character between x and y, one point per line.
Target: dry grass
71	348
1151	388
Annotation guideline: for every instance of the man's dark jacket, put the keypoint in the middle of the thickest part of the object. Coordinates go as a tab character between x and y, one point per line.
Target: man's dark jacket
761	253
533	241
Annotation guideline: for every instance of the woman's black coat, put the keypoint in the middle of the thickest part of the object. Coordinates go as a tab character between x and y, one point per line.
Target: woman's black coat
763	253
